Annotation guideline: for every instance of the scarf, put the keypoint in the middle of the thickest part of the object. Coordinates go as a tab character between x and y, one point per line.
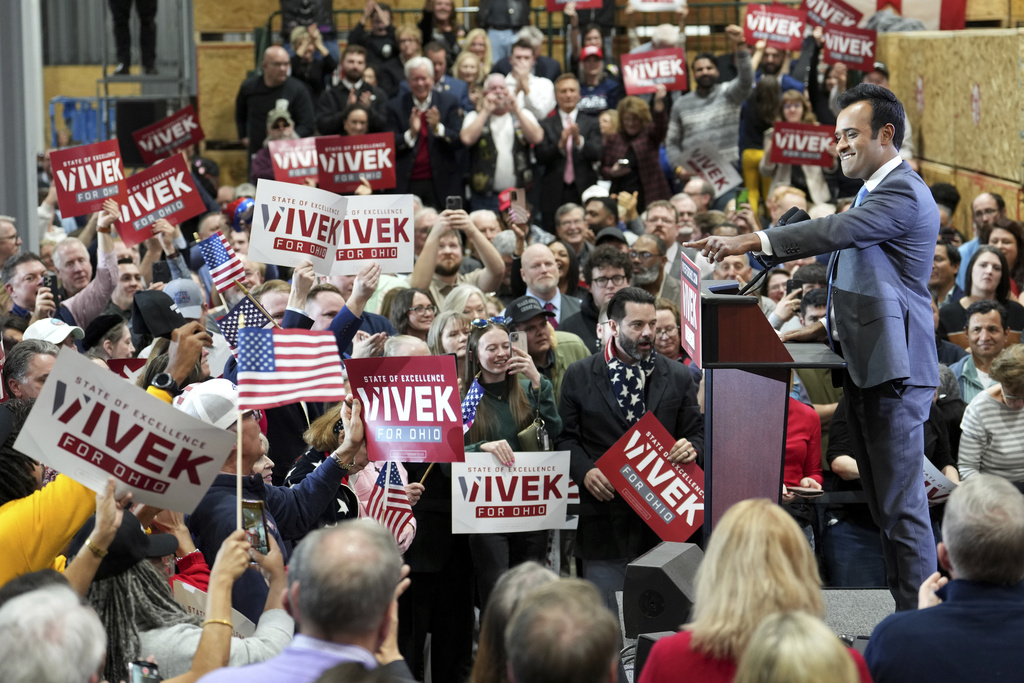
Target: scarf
628	382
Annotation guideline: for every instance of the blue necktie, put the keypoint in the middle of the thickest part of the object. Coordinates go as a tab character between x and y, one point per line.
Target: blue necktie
832	273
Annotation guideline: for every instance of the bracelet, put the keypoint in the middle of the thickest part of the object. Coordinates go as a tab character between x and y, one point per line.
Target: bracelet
343	465
172	254
105	231
224	622
96	550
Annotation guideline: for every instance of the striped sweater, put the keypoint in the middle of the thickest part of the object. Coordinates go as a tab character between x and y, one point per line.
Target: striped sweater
993	439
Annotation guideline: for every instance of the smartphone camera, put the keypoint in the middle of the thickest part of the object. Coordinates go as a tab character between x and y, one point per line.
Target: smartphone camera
453	203
795	286
518	340
143	672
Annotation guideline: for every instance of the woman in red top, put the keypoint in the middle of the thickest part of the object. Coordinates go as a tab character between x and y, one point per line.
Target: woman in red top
757	563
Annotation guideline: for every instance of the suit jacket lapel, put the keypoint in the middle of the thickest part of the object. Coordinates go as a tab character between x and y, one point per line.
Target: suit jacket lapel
604	388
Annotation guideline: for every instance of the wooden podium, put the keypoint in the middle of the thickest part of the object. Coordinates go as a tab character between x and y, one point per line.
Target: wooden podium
746	372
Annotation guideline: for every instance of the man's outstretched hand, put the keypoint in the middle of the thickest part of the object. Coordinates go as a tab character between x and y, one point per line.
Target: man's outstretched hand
716	248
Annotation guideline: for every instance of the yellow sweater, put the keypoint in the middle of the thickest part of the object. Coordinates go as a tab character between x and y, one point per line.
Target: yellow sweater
35	529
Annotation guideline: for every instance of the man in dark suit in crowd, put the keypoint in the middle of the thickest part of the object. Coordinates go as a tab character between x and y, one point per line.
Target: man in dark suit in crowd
880	315
608	393
571	145
426	125
333	103
543	67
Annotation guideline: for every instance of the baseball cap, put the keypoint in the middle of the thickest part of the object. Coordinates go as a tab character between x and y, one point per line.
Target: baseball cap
524	308
280	111
881	68
609	234
95	330
187	296
53	330
130	546
591	51
214	401
155	313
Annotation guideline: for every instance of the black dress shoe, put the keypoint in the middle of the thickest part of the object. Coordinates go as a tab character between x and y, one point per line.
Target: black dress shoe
151	71
122	69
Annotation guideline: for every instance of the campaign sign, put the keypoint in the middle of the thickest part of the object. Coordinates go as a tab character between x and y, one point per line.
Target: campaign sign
936	485
164	190
295	223
643	73
706	162
294	161
802	144
491	498
780	26
88	425
669	497
411	407
657	5
689	307
342	160
823	12
854	47
378	228
559	5
167	136
86	176
128	368
195	601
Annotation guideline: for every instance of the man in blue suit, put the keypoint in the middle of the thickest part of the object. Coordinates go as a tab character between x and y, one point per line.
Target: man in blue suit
426	125
438	55
879	318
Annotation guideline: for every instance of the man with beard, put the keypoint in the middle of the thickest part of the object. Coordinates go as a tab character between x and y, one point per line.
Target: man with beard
710	114
985	209
648	254
352	89
437	268
540	273
772	61
261	93
602	397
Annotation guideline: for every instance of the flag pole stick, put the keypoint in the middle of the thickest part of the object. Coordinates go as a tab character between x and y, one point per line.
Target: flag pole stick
256	303
424	477
238	451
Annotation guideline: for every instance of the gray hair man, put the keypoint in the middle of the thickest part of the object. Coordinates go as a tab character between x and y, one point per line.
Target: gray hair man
28	365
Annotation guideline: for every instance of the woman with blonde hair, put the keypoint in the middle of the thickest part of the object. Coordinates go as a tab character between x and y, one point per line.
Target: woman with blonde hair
467	68
477	42
448	334
794	647
796	108
410	42
631	155
757	563
468	300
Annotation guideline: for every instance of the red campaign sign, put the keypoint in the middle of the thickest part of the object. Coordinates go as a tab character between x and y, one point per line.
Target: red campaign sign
689	306
669	497
294	161
164	190
411	407
128	368
802	144
854	47
823	12
559	5
643	73
86	176
341	160
781	26
170	135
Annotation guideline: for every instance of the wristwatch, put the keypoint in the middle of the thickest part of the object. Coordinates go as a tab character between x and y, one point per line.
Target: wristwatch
343	465
165	382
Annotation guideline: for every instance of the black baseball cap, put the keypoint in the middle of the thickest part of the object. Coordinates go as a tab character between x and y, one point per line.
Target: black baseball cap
155	313
524	308
131	545
609	234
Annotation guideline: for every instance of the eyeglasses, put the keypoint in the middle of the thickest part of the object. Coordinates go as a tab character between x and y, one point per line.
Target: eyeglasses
281	126
14	237
424	310
642	254
254	414
666	331
615	280
484	322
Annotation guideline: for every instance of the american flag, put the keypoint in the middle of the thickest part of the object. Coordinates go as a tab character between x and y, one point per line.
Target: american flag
469	404
278	367
254	318
389	503
225	267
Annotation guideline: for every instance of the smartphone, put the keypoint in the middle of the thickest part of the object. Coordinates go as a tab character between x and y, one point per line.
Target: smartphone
793	286
254	522
161	271
518	340
143	672
50	281
804	492
623	162
742	197
453	204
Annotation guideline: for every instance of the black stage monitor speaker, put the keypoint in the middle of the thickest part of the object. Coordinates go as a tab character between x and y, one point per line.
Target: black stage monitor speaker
644	643
131	115
659	589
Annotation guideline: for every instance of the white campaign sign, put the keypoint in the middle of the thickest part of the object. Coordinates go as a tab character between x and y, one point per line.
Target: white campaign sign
377	228
937	485
89	426
488	497
194	601
706	162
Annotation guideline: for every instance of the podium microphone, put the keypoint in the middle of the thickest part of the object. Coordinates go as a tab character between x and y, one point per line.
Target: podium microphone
794	215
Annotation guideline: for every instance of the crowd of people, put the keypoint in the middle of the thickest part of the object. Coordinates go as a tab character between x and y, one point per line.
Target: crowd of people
589	276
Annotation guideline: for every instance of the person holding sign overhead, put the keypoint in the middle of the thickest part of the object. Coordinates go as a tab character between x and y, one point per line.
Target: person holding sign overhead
506	412
795	107
631	159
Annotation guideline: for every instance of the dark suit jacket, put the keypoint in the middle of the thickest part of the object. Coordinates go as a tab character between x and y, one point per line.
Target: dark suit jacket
444	168
553	159
545	67
582	323
879	278
330	109
452	86
612	530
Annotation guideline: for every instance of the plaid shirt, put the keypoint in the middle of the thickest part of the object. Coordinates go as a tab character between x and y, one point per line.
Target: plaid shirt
645	146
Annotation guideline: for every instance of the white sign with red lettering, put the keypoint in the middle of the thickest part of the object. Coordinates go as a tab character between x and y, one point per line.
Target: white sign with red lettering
706	162
780	26
295	223
89	426
854	47
937	485
195	601
802	144
86	176
378	228
643	73
491	498
294	161
822	12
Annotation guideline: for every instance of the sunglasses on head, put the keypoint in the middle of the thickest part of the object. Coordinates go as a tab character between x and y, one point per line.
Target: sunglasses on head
484	322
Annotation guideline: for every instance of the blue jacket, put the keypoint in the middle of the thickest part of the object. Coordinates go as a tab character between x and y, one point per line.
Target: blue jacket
290	513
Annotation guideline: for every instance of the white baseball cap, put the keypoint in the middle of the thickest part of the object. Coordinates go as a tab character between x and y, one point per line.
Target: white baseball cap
53	330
